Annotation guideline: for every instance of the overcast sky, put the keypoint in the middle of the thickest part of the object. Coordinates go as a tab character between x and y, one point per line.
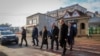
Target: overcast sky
15	11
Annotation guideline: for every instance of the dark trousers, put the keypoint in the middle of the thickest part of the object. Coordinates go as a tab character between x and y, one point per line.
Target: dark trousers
44	42
64	48
63	45
70	42
23	38
35	40
52	43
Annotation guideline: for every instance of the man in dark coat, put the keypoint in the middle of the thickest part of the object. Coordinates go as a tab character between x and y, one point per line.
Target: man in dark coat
40	33
35	35
55	33
23	36
72	31
44	37
63	36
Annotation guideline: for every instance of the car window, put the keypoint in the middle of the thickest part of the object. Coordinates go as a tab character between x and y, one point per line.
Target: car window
6	33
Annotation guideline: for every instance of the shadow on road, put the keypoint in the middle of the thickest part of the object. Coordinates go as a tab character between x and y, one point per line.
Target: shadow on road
14	46
3	54
59	52
69	53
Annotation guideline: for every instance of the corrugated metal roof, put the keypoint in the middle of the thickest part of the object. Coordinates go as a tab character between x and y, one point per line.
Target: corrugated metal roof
94	20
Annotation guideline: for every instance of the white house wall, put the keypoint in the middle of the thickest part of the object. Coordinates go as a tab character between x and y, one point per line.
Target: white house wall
67	15
75	14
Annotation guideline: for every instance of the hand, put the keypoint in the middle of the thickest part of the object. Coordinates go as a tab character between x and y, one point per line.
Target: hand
61	44
65	39
45	38
56	36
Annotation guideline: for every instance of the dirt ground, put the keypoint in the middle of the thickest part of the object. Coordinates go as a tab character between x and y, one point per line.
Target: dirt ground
83	47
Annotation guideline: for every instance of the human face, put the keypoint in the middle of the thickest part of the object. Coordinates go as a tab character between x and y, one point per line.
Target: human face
69	24
61	21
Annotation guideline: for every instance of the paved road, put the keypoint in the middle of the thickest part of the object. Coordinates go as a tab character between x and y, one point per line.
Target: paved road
16	50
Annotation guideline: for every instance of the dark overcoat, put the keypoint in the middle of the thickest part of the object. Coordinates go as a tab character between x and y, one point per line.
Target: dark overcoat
63	34
23	33
44	37
73	32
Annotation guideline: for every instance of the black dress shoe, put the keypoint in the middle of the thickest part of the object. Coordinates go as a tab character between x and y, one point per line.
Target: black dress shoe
37	45
63	54
33	44
71	49
20	44
51	48
57	48
41	48
26	45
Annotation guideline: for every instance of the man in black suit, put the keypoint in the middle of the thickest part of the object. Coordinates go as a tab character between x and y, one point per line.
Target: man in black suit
55	33
35	35
72	31
63	36
23	36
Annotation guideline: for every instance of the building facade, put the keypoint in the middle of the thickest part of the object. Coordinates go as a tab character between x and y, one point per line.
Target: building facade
60	12
76	14
79	20
40	20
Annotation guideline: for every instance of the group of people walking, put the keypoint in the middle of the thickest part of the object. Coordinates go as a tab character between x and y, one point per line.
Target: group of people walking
61	36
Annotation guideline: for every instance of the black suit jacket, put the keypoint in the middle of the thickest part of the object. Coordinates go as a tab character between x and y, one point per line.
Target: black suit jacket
44	37
63	32
55	32
73	32
63	35
23	33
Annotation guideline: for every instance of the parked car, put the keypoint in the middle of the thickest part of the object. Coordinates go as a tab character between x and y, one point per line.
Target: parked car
8	37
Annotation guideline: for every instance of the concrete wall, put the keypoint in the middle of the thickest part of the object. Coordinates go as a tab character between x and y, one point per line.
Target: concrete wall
82	32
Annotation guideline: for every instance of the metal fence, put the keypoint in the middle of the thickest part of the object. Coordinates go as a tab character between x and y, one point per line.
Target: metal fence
94	30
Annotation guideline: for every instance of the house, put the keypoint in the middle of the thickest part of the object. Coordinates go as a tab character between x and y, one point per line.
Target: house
79	20
40	20
60	12
78	15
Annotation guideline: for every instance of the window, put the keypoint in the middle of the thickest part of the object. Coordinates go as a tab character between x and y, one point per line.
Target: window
82	25
30	21
54	15
34	21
